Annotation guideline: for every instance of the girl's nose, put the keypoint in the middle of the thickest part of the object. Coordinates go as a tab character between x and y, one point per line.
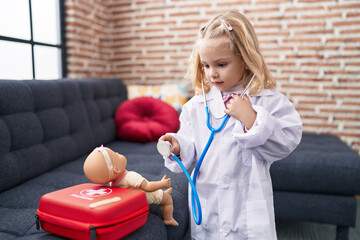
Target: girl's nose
213	73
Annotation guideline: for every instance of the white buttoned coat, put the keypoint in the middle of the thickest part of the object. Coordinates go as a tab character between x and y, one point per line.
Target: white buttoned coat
234	183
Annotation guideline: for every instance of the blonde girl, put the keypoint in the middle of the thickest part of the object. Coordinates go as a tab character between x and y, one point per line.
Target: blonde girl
234	183
243	42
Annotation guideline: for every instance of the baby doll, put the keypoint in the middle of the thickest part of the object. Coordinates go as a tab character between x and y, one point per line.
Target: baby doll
103	165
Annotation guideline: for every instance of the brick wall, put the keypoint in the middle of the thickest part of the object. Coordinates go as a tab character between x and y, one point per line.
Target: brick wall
89	39
311	46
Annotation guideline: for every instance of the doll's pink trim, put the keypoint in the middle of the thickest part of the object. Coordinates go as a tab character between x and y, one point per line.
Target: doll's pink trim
119	180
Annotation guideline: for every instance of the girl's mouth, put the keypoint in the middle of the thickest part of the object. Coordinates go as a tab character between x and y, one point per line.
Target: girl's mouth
217	83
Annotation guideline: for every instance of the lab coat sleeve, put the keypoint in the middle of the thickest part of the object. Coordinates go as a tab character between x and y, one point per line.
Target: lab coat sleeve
276	132
186	140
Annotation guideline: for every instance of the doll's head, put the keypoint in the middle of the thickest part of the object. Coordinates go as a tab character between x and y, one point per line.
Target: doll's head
103	165
232	31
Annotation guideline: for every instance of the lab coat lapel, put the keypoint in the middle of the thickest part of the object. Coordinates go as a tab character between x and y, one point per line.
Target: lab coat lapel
215	103
217	107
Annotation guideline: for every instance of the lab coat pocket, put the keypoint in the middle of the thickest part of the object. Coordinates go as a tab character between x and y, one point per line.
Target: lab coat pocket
258	221
246	157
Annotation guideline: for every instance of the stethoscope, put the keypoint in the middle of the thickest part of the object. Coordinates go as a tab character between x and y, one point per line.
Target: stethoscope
164	149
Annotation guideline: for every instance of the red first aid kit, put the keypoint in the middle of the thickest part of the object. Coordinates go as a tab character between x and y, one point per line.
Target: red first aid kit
92	211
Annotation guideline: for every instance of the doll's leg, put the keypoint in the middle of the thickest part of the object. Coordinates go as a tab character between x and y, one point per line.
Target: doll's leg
167	208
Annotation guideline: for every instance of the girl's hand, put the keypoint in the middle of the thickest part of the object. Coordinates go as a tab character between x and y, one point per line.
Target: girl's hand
241	109
174	143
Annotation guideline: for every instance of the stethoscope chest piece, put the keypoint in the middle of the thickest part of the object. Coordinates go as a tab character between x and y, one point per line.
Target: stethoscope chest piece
164	148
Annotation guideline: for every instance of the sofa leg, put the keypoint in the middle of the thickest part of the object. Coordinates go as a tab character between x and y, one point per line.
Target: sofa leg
342	233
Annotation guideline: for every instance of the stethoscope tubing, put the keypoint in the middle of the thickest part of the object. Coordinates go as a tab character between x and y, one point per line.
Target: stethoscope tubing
211	137
195	201
194	194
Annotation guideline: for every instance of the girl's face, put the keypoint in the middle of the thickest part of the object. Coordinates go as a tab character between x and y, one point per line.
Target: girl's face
223	68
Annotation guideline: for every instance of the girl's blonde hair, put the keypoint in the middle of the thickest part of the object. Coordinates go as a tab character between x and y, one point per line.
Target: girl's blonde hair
243	42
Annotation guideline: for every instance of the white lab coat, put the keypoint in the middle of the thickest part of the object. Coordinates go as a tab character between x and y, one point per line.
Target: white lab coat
234	183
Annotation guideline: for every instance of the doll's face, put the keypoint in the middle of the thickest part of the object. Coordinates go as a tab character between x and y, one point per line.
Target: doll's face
96	169
118	161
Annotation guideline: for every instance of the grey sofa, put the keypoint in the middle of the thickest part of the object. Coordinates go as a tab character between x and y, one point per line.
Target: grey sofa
318	183
47	128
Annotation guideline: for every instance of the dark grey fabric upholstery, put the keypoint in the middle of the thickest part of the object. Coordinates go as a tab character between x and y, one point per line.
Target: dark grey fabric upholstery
47	128
318	182
44	124
321	208
320	164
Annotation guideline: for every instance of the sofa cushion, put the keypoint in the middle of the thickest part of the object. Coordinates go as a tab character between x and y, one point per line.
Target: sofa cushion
44	124
315	207
320	164
174	94
145	119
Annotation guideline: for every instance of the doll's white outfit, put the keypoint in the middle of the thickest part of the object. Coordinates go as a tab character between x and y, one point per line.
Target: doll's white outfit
133	180
234	183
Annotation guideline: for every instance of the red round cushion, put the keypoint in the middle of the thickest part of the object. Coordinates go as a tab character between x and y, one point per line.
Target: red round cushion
145	119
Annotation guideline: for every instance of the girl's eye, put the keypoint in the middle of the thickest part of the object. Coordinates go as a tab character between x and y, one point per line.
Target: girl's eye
222	64
206	66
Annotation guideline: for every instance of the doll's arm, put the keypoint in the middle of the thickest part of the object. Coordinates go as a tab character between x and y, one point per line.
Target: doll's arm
155	185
